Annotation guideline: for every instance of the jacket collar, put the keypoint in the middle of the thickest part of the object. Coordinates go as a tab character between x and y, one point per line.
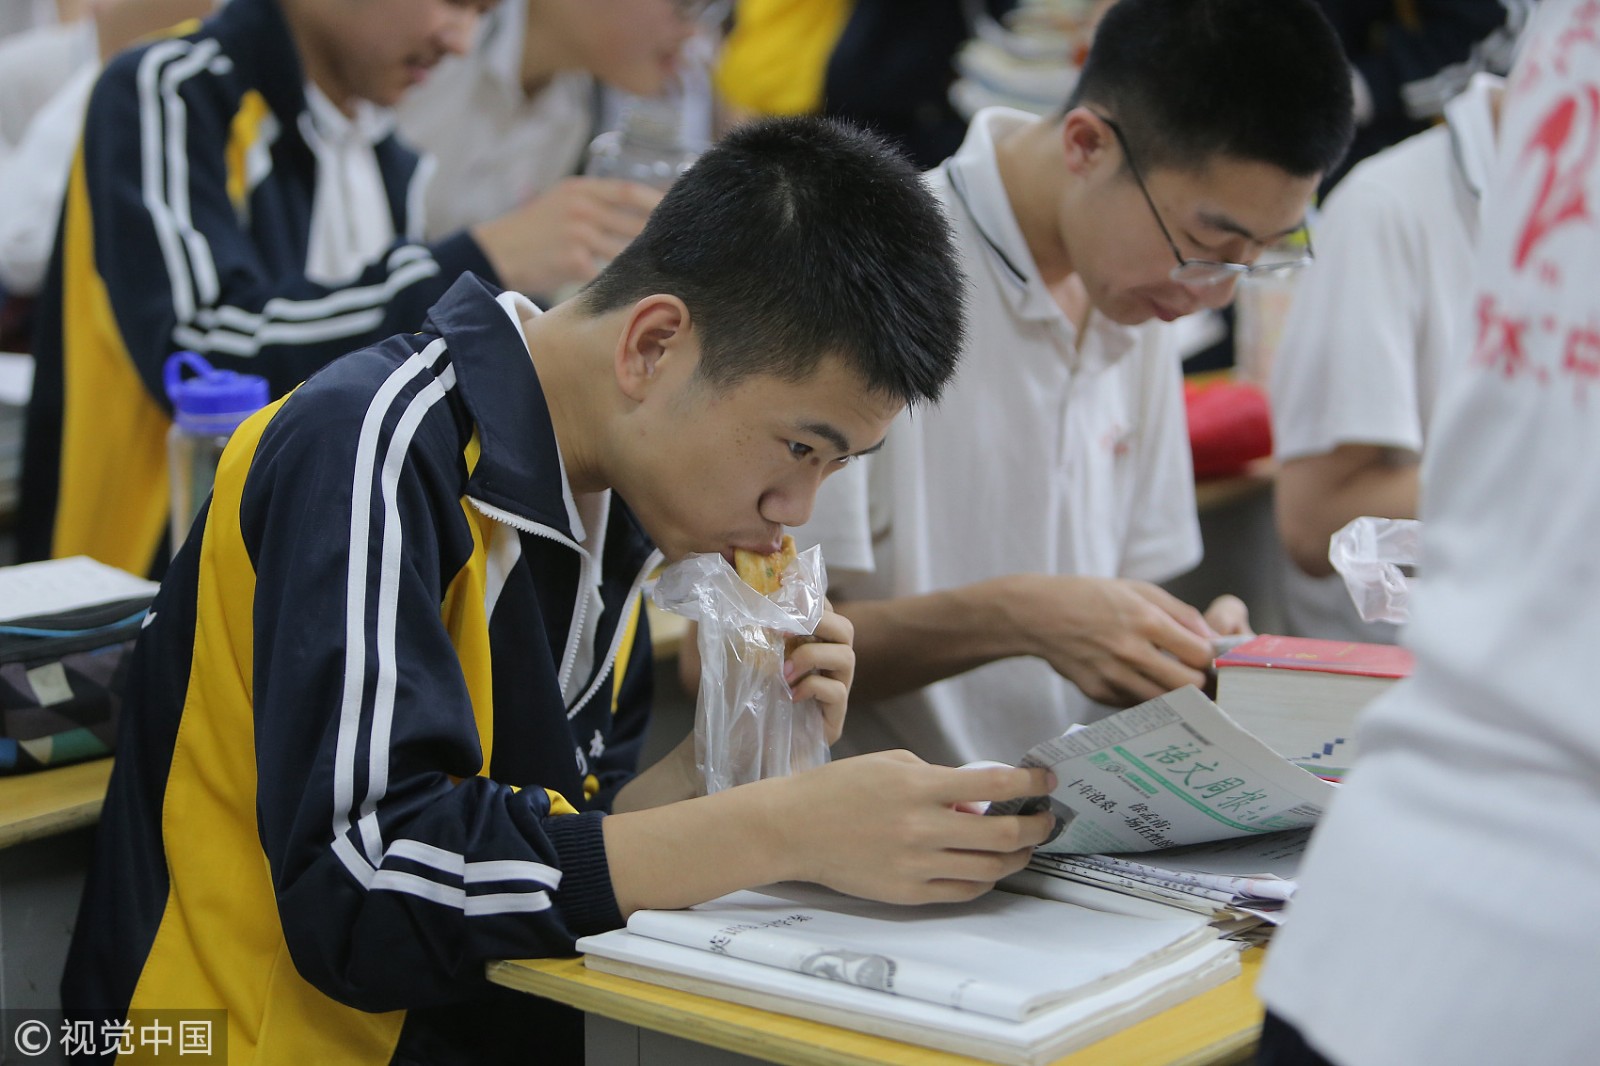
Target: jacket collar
519	468
519	461
255	37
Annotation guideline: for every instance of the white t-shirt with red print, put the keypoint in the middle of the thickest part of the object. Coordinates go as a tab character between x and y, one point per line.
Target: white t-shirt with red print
1446	912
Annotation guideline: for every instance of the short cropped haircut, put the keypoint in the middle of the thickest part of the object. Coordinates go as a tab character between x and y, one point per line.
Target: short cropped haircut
1189	81
796	239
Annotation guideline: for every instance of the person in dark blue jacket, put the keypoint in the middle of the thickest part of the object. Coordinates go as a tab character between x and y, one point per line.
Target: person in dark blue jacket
383	722
239	192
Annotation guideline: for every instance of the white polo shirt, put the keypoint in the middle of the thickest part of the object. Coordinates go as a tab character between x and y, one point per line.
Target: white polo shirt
494	146
1379	314
1049	453
1446	906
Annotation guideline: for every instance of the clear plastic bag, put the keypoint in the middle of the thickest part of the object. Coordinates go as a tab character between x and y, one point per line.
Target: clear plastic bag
747	725
1369	553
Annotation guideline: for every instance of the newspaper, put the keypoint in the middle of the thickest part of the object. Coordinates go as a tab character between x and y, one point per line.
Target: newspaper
1253	875
1002	955
1174	770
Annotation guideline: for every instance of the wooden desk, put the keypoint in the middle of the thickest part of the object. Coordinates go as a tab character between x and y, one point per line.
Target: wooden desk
1219	1027
51	802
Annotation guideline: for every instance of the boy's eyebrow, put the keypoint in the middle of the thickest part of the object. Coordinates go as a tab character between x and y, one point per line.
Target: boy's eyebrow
1216	220
835	438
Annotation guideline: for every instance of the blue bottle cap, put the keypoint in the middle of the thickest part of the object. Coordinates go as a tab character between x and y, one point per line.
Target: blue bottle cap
212	401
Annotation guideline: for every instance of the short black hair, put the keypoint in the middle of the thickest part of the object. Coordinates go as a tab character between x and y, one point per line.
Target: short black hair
1191	80
795	239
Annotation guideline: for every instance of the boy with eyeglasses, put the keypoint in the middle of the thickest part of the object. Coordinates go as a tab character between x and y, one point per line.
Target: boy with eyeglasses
1011	538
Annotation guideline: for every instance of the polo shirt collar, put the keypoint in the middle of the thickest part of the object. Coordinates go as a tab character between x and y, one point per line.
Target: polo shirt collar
979	194
1470	117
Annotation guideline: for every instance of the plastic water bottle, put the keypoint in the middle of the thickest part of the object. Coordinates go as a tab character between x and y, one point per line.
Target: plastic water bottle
647	148
206	408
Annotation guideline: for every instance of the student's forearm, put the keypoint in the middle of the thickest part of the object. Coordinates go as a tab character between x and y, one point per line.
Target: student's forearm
681	854
1317	496
911	641
672	778
882	826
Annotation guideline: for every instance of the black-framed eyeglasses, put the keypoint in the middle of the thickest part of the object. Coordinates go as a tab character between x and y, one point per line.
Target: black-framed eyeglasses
1282	258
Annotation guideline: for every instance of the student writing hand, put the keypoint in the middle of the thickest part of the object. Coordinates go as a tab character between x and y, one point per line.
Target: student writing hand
884	826
1120	641
823	668
567	235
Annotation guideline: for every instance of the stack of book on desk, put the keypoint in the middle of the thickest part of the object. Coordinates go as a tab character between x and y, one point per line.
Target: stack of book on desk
1301	697
1008	977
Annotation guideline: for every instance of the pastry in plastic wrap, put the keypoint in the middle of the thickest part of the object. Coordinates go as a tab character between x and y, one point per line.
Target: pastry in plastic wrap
747	723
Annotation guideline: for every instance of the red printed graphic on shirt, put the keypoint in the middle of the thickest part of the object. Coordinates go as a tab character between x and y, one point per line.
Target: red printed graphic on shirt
1564	145
1580	357
1502	341
1526	337
1584	32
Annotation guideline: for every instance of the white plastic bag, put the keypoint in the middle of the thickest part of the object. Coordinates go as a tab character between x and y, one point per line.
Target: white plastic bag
747	726
1369	554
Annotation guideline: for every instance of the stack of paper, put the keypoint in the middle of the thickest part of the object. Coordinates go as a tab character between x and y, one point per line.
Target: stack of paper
1229	880
1006	977
54	586
1029	60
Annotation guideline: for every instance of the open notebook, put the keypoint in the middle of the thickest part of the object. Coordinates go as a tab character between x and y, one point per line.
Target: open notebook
1007	977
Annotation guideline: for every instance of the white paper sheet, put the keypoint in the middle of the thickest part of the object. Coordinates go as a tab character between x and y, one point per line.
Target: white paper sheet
16	378
1003	955
30	589
1045	1036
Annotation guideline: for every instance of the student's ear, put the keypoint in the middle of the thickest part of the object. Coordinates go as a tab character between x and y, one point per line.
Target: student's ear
654	336
1085	140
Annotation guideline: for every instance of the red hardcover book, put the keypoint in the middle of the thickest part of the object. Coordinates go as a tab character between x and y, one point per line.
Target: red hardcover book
1302	697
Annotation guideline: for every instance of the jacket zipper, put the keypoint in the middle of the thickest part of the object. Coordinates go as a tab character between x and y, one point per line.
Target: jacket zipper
650	563
580	610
